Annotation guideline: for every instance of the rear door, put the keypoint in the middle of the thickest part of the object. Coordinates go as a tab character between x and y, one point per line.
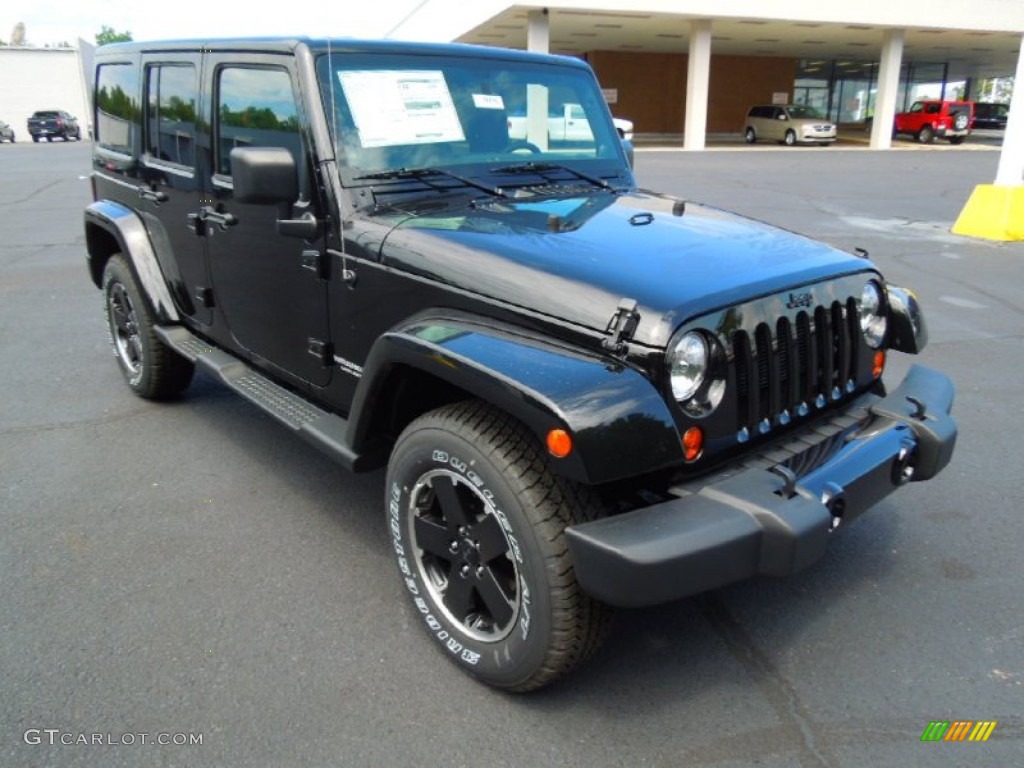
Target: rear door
169	171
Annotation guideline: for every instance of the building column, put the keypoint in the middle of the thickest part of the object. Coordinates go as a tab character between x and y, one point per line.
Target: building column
996	211
538	37
698	75
538	31
1011	160
888	88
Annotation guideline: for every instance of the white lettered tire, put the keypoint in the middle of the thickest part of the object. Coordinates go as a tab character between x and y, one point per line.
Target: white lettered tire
477	525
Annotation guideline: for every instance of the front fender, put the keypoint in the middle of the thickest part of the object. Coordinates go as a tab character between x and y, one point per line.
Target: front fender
619	423
111	226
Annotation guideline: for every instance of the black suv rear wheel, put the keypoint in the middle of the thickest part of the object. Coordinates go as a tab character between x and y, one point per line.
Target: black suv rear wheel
151	369
477	523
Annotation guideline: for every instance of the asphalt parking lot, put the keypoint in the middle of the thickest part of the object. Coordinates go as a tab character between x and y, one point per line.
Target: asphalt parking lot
191	569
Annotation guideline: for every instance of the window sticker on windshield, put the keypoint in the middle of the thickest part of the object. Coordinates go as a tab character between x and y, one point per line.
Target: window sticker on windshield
488	101
401	107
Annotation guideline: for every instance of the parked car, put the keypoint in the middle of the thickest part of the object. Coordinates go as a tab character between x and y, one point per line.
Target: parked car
53	124
585	394
6	132
990	115
567	123
950	120
788	124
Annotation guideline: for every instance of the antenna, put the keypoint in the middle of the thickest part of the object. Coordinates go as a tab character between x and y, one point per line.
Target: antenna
336	152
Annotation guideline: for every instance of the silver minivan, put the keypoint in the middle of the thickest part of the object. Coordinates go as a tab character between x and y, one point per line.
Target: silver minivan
788	124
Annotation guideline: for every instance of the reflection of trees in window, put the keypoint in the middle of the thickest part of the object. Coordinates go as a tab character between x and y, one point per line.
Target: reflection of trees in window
115	102
262	119
172	93
257	109
117	110
176	108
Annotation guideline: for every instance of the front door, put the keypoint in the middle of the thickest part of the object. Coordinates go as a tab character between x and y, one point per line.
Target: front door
267	286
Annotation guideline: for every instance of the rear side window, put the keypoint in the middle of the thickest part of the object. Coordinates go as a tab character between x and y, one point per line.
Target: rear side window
171	96
117	107
256	108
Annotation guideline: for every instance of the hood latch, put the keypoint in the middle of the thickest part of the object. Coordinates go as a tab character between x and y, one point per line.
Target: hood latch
621	327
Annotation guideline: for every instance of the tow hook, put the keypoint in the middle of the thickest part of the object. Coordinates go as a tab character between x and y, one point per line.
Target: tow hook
920	411
903	465
834	500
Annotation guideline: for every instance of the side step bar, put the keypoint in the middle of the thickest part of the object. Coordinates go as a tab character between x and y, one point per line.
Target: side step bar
325	430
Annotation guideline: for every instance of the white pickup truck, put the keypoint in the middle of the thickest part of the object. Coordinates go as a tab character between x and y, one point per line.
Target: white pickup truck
569	125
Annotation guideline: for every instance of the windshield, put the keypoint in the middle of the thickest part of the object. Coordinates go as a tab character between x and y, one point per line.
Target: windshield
805	113
468	115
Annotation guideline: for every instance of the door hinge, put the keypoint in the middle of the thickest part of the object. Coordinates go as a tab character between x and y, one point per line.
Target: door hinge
204	296
322	351
314	261
621	327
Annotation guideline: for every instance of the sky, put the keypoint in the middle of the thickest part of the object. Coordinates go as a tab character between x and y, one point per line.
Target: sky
48	22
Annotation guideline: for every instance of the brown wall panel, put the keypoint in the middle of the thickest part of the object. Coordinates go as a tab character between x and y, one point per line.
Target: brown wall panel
652	87
738	82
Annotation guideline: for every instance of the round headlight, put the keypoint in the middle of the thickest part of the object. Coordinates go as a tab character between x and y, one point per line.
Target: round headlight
687	365
872	318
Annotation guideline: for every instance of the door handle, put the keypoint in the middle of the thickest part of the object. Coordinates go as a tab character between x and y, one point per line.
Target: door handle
153	195
211	215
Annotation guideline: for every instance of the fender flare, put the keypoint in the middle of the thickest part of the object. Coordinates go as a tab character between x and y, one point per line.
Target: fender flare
127	229
909	332
620	425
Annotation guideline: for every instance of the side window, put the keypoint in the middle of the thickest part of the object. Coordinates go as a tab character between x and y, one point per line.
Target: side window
933	109
117	107
256	108
171	95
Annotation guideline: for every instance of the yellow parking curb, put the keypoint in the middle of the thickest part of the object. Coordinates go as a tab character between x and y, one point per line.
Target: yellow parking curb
993	212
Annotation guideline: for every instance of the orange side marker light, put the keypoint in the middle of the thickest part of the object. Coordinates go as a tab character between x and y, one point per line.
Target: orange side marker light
693	443
879	363
559	443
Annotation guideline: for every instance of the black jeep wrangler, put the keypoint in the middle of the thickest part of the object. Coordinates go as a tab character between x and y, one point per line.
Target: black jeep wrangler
585	394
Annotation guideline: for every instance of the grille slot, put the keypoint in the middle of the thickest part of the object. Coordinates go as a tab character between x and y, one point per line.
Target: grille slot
803	362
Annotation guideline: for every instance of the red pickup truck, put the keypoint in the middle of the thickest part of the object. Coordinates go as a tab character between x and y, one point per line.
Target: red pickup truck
927	119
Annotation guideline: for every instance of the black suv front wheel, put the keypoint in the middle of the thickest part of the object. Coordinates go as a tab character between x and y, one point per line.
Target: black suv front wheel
151	369
477	524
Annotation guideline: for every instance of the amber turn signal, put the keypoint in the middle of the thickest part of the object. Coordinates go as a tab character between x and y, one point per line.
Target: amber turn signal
693	443
559	443
879	363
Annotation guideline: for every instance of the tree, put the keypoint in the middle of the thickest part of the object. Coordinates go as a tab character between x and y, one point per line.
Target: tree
108	35
998	89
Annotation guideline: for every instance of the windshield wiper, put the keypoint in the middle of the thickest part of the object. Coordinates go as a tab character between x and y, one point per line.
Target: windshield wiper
543	168
425	173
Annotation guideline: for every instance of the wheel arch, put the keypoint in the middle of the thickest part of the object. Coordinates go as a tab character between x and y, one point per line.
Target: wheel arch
113	228
618	421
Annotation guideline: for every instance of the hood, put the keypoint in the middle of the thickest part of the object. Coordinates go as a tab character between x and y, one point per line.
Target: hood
575	258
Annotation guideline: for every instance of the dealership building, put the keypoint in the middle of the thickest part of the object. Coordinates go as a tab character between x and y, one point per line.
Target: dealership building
693	67
686	69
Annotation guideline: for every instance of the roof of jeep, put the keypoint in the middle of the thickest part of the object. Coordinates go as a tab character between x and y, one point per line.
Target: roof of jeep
336	45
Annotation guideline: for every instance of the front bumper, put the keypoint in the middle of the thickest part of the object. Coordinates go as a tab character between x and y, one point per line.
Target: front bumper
767	521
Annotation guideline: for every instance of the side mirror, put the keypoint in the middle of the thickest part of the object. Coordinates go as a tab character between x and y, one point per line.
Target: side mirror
782	116
264	175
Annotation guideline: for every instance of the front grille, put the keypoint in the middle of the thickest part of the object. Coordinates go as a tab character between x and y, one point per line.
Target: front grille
798	364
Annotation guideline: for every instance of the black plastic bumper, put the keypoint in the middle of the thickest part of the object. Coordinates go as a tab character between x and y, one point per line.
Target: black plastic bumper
755	522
